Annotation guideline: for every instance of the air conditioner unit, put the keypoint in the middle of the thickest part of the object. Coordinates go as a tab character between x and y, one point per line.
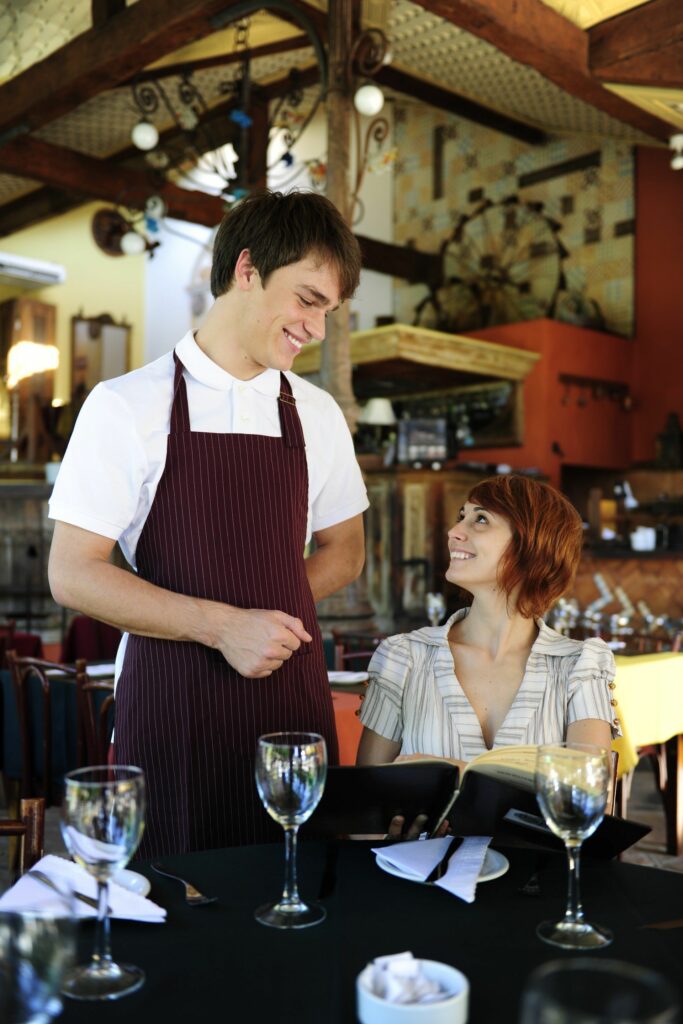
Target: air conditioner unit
29	273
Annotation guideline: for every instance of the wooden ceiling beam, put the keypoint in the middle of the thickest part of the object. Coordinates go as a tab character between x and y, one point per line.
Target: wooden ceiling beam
530	32
91	178
643	46
461	106
103	10
101	59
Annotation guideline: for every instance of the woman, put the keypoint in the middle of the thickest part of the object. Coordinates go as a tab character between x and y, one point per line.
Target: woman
494	675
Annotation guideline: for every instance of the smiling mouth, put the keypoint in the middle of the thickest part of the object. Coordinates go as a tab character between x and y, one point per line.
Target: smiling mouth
461	556
294	342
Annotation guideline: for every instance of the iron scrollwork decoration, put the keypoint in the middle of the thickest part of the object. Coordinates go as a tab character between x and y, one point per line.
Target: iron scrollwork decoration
368	54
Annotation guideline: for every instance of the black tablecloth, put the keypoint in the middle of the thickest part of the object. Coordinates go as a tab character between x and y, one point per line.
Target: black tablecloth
215	963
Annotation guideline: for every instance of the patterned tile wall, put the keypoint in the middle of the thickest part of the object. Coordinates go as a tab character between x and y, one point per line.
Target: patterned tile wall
586	185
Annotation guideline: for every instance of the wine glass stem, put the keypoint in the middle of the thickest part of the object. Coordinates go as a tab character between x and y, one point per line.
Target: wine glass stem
574	911
102	951
290	893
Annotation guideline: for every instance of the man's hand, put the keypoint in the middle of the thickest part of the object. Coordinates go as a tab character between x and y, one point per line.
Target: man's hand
257	642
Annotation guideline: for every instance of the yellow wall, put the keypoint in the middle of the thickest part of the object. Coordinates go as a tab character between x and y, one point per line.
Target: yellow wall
95	283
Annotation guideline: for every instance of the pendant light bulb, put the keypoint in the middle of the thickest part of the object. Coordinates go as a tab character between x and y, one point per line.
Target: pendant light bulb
132	244
369	99
144	135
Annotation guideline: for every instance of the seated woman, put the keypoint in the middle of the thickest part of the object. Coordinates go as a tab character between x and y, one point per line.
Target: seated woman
494	675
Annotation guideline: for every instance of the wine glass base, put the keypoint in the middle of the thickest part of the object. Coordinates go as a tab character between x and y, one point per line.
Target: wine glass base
290	915
102	981
567	935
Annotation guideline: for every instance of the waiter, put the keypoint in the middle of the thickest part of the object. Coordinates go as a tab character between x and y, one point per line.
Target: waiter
212	467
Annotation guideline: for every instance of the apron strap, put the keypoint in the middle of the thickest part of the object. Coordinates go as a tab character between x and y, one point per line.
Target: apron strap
180	412
290	424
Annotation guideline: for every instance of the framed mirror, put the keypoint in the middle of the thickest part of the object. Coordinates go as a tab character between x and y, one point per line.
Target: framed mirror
100	350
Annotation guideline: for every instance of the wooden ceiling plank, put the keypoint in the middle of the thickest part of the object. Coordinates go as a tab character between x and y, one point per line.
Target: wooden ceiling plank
643	31
103	10
37	206
100	59
220	60
662	69
443	99
534	34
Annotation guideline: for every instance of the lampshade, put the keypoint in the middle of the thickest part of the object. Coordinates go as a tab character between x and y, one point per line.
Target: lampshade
369	99
378	413
144	135
29	357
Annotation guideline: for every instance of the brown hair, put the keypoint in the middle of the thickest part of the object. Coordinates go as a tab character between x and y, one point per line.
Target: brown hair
547	534
280	229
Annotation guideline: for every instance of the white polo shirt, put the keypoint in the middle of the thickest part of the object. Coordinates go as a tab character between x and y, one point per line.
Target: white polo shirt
117	452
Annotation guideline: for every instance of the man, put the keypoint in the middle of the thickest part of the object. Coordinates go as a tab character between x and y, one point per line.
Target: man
211	467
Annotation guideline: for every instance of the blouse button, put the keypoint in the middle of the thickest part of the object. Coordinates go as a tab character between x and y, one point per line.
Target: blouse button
613	703
615	721
611	686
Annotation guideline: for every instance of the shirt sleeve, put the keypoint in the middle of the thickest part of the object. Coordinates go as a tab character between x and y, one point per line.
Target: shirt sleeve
389	670
342	493
99	482
589	690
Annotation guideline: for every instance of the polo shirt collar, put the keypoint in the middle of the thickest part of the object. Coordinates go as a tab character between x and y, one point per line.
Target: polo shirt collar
204	370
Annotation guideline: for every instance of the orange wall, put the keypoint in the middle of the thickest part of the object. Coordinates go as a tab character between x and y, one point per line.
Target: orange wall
601	434
597	434
658	362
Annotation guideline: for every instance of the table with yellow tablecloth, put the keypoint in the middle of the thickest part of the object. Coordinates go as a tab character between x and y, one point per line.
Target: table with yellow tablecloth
649	695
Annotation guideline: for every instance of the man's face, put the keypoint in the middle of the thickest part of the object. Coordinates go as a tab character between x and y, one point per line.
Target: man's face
286	314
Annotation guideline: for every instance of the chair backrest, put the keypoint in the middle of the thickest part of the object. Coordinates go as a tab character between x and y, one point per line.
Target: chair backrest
353	651
30	829
6	639
362	800
95	718
36	777
90	639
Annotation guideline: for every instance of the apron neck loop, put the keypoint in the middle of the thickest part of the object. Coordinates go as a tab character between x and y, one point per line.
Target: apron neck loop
290	424
180	412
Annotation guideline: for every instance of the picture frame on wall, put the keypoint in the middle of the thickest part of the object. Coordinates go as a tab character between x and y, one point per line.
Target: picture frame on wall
422	440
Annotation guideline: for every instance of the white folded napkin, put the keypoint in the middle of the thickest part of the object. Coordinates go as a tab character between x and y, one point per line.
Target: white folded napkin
30	894
400	978
347	677
417	859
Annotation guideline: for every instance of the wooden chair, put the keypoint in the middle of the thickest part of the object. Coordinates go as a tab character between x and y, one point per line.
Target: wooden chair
353	651
36	775
30	829
7	630
94	717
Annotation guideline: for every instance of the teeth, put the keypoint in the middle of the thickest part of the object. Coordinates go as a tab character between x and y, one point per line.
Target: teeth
295	342
461	555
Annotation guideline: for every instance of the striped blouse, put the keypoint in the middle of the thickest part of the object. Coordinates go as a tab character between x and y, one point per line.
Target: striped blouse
414	695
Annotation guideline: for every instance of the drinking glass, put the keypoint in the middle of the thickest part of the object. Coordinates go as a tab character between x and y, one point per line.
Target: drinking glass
587	991
36	949
291	768
102	822
572	781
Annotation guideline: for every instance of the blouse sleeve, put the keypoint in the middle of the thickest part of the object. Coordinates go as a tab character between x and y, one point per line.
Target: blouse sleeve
591	686
389	670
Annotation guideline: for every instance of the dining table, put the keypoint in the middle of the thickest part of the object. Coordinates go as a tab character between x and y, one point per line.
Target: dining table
216	963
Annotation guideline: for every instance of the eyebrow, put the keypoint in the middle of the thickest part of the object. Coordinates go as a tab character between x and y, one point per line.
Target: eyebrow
321	299
476	508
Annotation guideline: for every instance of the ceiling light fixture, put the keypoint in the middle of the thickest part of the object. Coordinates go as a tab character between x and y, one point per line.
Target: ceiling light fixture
676	144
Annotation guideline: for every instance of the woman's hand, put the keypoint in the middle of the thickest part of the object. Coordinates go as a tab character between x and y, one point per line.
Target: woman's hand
397	827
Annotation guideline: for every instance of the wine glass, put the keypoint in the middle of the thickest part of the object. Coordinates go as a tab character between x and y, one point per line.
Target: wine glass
572	781
587	991
291	768
102	823
36	949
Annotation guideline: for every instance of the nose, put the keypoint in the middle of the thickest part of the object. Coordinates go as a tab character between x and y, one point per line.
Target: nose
458	531
315	324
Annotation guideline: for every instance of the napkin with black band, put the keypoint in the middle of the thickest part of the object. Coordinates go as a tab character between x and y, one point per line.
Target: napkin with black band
29	894
417	860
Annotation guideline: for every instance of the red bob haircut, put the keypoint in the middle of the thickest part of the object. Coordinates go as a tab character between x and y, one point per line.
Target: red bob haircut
541	560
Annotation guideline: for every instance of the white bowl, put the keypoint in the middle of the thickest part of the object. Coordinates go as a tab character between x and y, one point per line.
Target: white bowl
452	1009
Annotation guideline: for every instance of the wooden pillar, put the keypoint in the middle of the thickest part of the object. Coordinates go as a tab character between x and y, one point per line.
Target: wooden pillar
335	367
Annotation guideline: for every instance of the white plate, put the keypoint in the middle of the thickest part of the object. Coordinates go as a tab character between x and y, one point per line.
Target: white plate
133	882
495	864
347	678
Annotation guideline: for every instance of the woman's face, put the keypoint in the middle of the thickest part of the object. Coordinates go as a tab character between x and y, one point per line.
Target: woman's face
476	544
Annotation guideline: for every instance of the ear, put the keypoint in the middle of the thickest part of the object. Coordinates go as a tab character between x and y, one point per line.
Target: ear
246	273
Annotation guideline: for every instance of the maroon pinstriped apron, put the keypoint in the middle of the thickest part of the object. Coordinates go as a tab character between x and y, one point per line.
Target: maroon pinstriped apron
228	523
